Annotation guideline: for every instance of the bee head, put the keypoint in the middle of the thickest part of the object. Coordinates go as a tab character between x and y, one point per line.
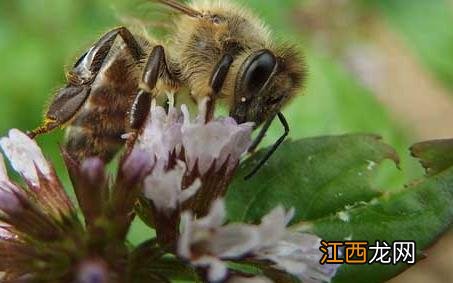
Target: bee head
265	82
263	78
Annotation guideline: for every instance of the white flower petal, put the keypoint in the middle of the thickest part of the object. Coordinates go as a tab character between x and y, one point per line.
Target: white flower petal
294	252
190	191
273	226
185	237
234	240
299	254
204	143
215	140
215	217
5	233
164	187
24	154
217	269
162	133
202	110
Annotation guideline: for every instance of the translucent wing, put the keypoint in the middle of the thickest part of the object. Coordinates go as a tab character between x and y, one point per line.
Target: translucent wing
148	15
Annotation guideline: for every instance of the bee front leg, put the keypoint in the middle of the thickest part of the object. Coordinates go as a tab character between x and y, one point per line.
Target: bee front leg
70	99
217	81
274	147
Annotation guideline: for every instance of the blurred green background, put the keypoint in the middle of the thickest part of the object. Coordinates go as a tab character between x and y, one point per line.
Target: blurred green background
378	66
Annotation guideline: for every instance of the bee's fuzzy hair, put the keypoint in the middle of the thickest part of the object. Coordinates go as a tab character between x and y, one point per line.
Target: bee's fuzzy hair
234	8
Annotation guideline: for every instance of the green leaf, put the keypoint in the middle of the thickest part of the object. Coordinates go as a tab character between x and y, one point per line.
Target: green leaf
325	171
435	156
419	213
317	176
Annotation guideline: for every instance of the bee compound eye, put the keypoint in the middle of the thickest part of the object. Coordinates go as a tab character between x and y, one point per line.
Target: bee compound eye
259	71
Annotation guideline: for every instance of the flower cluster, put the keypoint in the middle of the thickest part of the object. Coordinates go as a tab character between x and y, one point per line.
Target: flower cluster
174	177
207	242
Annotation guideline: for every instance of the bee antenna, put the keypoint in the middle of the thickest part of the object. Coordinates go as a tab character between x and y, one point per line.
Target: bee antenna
274	147
180	7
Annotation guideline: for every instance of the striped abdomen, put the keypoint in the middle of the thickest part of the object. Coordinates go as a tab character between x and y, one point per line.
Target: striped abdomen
97	128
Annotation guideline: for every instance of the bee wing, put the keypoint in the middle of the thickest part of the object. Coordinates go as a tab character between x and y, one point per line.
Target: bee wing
145	15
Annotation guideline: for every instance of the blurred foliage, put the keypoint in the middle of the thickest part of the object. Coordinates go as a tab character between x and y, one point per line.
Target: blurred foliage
39	38
426	26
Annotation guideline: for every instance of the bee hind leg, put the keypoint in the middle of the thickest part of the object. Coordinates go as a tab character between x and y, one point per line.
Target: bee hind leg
64	106
274	147
68	100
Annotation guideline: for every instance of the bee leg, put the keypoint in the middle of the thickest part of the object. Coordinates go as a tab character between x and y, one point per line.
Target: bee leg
70	99
64	106
259	138
217	81
274	146
95	57
155	68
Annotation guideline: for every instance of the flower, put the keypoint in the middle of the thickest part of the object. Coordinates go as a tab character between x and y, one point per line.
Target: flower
93	271
190	161
208	150
207	243
175	177
27	159
25	156
40	214
41	236
164	188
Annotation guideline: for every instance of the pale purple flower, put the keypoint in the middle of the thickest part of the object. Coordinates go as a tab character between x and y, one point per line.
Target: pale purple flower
92	271
40	228
164	187
206	243
25	156
5	233
28	160
161	135
8	201
203	142
189	159
298	254
216	140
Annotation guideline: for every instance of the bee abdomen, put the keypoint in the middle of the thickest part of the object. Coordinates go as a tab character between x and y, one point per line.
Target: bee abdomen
98	127
97	131
83	142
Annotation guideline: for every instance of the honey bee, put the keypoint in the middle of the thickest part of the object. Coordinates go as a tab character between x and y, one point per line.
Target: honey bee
217	50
